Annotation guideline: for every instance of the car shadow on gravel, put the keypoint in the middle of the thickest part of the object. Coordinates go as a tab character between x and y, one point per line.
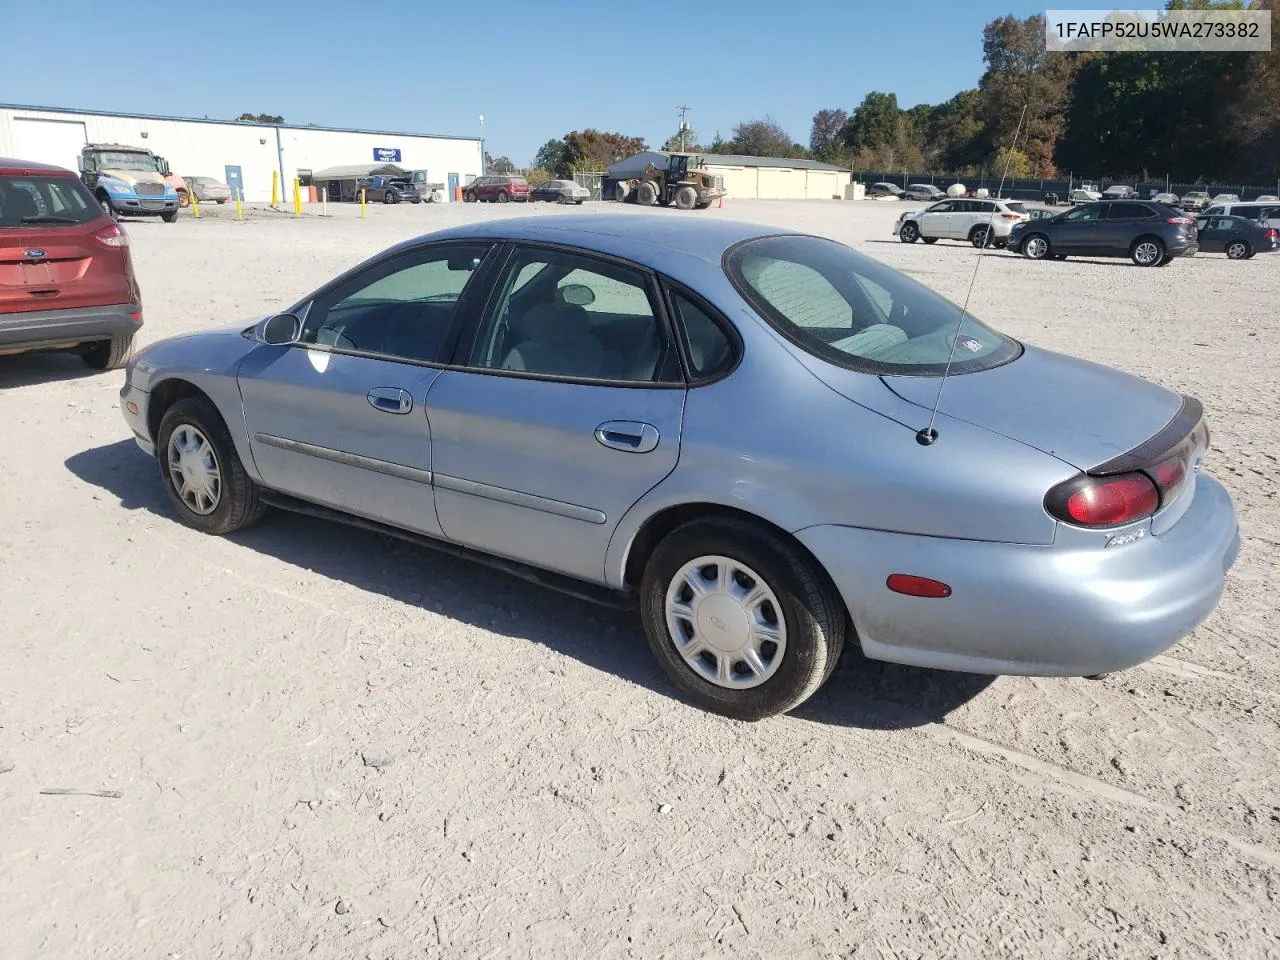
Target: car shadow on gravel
861	693
30	369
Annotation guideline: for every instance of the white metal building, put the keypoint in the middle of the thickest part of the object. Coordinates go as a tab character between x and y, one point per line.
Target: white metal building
755	178
222	149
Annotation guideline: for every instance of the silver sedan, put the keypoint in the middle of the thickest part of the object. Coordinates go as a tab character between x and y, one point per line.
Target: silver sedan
727	426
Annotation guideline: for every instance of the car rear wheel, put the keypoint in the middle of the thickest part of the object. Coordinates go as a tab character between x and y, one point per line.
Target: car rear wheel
1238	250
741	619
108	354
202	473
1147	252
1035	247
909	232
980	237
504	197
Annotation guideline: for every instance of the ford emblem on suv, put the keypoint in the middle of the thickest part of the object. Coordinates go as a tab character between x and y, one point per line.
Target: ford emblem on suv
34	254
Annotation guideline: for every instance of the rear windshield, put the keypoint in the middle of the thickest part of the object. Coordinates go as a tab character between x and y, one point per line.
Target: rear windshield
854	312
1015	206
45	201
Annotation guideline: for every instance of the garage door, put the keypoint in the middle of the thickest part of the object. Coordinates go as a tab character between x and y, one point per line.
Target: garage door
49	141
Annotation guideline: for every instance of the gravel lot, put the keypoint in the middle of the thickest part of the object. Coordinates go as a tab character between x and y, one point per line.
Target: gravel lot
332	745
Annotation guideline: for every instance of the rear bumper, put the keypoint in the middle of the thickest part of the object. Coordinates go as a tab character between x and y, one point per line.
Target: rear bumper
1034	610
41	329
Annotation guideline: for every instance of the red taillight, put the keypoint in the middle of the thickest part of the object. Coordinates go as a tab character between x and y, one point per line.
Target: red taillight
1179	220
112	235
136	316
1104	501
1273	234
1010	216
914	586
1169	473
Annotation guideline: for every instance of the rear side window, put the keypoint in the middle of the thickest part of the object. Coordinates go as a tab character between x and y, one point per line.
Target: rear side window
1129	211
707	345
45	202
850	310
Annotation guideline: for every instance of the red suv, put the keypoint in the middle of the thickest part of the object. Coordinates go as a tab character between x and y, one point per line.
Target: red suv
500	189
66	278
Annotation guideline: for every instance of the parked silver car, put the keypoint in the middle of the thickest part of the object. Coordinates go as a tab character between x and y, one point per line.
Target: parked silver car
724	424
207	189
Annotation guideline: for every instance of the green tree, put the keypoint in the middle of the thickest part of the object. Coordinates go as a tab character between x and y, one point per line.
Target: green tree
761	138
261	117
826	138
673	143
499	165
553	156
874	123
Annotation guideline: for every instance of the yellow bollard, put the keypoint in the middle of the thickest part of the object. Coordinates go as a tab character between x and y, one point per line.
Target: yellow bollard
195	207
239	209
362	202
297	197
275	188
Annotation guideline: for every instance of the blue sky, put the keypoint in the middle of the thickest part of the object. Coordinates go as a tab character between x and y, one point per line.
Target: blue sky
533	71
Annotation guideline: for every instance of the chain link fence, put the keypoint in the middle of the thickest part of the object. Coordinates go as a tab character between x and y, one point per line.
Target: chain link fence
592	181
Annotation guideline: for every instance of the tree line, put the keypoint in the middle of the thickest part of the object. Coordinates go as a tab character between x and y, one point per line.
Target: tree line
1034	112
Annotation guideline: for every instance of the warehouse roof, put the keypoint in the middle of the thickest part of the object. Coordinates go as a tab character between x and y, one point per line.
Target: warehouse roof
634	166
233	123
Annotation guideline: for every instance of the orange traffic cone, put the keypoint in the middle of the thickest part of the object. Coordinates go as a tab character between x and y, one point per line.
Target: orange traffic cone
721	207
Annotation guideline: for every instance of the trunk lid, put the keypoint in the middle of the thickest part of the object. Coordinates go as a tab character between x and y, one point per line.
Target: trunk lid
1079	412
56	267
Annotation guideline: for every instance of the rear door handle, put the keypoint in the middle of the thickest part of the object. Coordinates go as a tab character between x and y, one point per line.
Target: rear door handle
628	435
390	400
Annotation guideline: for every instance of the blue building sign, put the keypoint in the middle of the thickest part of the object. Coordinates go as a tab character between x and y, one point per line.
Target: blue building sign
386	154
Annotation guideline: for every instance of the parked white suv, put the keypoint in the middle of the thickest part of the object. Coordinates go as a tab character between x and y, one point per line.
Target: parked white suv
1266	214
982	222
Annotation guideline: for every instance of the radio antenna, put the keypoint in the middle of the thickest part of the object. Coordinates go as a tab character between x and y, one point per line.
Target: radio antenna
928	435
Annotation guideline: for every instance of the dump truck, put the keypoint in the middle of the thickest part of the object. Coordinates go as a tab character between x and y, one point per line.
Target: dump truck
684	182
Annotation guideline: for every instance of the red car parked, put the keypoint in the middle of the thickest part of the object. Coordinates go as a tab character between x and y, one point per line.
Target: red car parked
497	189
66	277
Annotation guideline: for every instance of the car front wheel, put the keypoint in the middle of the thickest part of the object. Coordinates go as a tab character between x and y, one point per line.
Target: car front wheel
740	618
201	471
1035	247
909	233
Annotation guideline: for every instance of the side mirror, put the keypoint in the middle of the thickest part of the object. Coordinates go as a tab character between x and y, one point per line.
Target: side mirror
80	164
279	330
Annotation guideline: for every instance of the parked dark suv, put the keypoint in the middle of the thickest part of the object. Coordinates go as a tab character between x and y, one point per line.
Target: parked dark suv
497	189
66	279
1150	234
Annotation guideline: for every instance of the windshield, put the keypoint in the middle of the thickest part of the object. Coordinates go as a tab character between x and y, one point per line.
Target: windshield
121	160
45	202
854	312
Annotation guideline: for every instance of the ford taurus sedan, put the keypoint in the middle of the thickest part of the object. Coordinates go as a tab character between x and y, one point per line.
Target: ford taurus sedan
727	425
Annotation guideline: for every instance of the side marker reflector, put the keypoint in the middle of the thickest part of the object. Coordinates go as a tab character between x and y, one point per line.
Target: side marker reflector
914	586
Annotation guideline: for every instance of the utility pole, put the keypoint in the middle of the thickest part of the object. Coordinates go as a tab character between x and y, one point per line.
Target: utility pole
683	126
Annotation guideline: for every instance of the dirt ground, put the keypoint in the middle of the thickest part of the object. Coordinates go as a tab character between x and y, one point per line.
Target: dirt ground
327	744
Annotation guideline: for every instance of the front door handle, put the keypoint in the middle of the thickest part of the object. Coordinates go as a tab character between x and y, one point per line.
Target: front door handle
628	435
390	400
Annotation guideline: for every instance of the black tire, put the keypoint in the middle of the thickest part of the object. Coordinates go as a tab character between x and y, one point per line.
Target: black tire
646	194
1032	250
1147	252
239	505
1059	256
504	197
105	203
908	232
1239	250
468	197
811	610
170	217
108	354
389	197
929	239
686	198
981	237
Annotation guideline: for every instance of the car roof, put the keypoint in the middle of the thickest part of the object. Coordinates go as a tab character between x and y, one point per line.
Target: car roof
641	238
14	166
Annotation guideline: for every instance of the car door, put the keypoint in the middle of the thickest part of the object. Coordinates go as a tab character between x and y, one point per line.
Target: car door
1075	232
339	418
934	222
563	411
1122	225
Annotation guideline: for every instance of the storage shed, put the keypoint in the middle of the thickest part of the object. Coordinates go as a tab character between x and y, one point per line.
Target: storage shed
753	178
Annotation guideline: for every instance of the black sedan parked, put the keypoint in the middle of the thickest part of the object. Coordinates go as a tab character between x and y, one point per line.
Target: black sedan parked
1150	234
391	190
1237	237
